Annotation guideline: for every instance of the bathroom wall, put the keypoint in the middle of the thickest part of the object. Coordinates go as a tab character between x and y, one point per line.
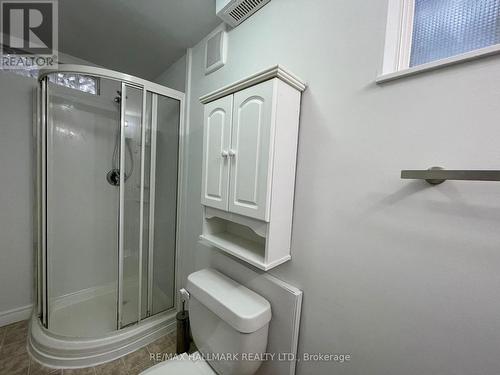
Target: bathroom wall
401	275
16	194
16	204
174	76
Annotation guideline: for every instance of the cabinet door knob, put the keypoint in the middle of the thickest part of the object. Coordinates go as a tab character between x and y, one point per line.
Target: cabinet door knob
224	153
232	152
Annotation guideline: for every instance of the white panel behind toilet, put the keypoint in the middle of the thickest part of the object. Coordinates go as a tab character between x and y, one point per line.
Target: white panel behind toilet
286	302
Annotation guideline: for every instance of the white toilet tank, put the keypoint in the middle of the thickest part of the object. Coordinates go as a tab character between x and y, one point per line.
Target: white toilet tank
229	322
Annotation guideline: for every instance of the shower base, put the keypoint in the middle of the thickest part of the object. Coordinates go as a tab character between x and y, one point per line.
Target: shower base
92	312
87	318
54	350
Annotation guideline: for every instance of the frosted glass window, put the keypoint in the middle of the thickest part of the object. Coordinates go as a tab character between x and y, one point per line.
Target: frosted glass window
444	28
79	82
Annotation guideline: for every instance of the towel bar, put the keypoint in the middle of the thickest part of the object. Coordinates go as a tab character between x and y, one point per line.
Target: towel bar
438	175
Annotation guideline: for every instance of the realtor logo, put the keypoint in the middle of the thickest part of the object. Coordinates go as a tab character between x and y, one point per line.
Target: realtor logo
29	34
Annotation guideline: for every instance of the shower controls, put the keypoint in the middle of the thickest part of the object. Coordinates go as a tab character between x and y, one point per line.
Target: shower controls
118	99
113	177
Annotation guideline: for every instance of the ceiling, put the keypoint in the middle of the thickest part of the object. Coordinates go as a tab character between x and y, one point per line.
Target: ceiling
138	37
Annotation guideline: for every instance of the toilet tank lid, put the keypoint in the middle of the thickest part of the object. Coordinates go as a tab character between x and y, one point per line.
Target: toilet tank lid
240	307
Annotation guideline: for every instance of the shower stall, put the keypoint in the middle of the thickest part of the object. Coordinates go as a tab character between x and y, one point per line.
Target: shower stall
108	167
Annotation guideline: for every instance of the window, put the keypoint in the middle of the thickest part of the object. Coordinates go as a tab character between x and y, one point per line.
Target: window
429	33
444	28
79	82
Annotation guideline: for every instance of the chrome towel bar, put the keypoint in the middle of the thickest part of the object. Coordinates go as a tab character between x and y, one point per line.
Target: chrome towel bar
438	175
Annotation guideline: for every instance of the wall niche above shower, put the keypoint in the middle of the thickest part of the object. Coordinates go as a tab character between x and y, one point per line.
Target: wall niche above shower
249	157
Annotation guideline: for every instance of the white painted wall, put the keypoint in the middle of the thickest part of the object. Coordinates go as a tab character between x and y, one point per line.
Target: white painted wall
401	275
16	190
175	75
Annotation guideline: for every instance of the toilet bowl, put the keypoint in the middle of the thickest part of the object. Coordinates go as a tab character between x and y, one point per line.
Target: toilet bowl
229	323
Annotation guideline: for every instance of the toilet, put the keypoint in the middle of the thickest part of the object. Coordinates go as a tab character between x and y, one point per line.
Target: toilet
229	324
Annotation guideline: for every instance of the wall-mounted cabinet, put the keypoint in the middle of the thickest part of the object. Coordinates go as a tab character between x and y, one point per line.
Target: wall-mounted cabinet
249	157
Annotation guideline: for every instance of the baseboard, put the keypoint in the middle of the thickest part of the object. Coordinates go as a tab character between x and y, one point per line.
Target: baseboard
15	315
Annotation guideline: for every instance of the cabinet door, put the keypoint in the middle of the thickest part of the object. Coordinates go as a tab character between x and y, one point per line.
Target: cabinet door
250	152
216	140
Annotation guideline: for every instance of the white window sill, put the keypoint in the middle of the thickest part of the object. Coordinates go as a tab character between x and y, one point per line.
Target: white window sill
438	64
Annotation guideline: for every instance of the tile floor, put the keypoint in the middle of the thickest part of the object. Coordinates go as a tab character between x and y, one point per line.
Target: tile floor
15	360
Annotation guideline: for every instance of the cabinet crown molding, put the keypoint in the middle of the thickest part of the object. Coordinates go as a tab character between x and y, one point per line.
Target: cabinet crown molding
276	71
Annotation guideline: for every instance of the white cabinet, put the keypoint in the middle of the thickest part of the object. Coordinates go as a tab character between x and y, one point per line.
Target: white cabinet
249	157
250	167
216	141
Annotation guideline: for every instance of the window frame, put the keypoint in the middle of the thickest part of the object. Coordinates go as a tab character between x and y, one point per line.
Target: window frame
398	44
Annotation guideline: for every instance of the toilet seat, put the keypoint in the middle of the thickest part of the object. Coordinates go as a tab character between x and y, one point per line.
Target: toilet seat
182	365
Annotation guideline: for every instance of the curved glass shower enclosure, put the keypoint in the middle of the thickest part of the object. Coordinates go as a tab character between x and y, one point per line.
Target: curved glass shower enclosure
108	166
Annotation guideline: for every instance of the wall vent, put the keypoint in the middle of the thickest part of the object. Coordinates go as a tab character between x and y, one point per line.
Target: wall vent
216	49
234	12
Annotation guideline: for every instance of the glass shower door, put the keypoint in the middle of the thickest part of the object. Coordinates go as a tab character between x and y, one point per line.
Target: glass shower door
82	131
148	204
162	256
133	204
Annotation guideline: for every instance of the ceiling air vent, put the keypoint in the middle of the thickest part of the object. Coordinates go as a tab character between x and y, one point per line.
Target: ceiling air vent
234	12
